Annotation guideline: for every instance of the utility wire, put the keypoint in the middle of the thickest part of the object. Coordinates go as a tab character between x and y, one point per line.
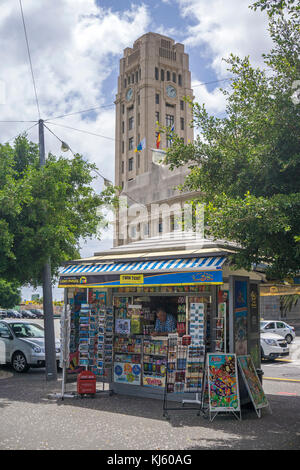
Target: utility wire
96	171
30	62
113	104
214	81
81	130
22	132
15	121
61	141
80	112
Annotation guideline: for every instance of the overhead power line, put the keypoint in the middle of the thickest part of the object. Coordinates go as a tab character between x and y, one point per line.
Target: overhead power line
214	81
81	130
113	104
22	132
30	62
7	122
80	112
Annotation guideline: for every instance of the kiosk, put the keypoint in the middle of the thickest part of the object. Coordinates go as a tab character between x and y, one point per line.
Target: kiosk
113	300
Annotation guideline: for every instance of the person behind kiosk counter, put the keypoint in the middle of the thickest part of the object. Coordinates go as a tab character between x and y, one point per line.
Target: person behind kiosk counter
165	323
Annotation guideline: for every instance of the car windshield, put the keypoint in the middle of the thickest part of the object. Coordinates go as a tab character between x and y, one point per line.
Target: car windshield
27	330
263	324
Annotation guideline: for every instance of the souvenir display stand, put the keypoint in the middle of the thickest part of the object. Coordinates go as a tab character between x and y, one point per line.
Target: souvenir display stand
223	386
252	382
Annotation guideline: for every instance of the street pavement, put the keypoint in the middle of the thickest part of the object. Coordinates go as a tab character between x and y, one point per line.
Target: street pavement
30	418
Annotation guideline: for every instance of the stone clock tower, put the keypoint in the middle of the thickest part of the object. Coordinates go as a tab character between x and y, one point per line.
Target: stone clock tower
154	79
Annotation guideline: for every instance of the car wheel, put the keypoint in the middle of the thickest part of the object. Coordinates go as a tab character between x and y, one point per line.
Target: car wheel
19	362
289	338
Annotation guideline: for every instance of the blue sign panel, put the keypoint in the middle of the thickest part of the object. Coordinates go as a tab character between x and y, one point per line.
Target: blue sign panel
197	277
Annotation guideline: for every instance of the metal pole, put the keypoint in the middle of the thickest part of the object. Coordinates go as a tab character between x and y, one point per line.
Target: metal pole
50	352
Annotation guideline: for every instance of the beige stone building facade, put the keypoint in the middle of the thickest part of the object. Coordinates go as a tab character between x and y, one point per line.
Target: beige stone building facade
153	81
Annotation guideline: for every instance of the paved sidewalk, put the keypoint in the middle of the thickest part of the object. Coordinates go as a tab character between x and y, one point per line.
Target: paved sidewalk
30	420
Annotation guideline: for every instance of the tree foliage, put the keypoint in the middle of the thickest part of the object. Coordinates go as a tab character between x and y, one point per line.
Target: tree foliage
44	212
247	164
10	295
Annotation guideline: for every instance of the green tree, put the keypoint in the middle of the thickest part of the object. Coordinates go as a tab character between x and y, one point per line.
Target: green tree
247	164
44	212
10	295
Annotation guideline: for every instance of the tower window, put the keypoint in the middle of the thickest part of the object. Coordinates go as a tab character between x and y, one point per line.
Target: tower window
168	76
160	226
123	147
162	75
130	164
182	105
123	109
174	77
130	143
136	76
128	79
122	167
123	128
130	123
156	116
138	99
179	80
182	124
156	73
156	98
125	83
169	120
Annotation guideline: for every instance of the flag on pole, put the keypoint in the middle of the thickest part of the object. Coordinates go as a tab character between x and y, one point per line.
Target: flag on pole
158	140
170	135
141	146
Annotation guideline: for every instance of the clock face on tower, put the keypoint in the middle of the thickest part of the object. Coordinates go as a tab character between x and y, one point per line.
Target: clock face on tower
129	94
171	91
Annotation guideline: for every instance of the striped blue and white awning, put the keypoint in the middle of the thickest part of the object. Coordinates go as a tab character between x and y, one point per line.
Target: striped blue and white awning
208	263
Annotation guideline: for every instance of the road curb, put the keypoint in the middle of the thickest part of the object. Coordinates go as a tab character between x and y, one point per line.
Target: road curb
5	375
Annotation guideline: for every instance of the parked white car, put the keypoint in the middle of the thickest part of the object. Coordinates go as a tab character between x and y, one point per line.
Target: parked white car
280	328
273	346
22	344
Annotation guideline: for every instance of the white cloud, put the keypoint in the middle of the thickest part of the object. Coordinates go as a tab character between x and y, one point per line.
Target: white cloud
75	48
224	27
215	101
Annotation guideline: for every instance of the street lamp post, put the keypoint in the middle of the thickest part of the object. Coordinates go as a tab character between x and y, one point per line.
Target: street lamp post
50	350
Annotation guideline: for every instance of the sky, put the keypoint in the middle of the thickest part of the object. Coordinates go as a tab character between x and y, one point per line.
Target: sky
75	49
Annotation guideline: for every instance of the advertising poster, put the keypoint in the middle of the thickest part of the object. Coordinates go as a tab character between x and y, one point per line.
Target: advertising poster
240	316
252	382
223	382
254	339
127	373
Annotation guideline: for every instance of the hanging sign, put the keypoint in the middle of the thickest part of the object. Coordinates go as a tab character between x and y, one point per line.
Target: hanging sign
252	382
131	279
223	383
